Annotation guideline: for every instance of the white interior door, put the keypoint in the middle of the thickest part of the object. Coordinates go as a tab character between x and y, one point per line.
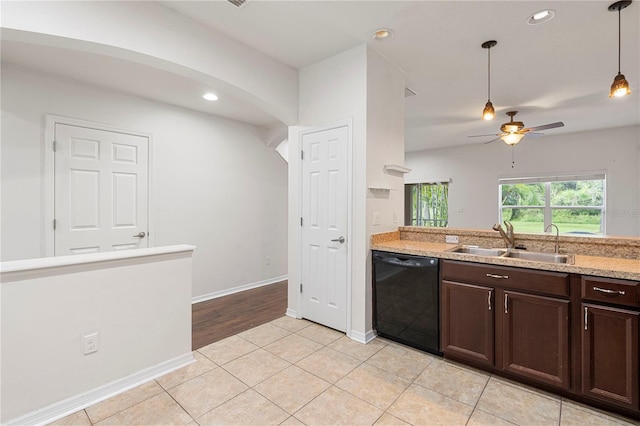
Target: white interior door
101	190
324	227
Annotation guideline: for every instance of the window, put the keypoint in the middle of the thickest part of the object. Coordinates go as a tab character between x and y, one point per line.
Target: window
426	204
574	203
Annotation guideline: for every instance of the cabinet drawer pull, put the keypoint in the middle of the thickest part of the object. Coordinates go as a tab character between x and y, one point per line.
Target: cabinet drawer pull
500	277
607	291
586	317
489	299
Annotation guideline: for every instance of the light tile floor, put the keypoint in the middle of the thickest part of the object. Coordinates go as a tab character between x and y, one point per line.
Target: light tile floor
294	372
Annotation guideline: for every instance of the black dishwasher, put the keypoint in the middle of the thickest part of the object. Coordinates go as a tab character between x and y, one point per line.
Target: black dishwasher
406	300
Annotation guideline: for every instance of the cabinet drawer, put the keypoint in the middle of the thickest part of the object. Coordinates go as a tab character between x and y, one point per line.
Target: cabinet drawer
552	283
620	292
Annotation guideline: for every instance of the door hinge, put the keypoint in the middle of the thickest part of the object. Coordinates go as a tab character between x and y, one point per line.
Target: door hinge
301	222
55	223
302	155
55	146
300	287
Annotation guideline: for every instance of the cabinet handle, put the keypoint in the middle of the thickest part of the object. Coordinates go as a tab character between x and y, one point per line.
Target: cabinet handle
500	277
506	303
586	318
607	291
489	299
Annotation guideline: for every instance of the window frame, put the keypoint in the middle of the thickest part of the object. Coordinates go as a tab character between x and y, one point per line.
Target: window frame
408	210
547	208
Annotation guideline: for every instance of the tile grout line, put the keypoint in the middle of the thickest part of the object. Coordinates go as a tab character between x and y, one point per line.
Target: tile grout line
360	363
317	396
475	406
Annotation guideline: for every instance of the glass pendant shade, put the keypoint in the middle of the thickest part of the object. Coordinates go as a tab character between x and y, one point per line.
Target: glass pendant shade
489	112
512	138
619	87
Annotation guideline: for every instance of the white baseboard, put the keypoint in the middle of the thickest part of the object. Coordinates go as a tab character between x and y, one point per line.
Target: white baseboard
292	313
238	289
70	405
361	337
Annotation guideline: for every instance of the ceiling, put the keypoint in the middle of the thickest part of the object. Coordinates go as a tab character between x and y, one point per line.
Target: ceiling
557	71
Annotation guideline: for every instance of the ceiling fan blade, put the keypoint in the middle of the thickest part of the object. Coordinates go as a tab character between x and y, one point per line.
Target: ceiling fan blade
483	136
543	127
533	135
493	140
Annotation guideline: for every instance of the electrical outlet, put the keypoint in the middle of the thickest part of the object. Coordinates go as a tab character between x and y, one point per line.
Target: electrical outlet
268	260
90	343
395	217
451	239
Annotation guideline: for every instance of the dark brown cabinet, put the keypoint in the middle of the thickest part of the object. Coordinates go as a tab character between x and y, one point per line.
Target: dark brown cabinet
489	318
535	338
467	327
610	339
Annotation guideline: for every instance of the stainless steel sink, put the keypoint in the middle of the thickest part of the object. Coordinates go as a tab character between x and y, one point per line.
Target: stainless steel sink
534	256
479	251
540	257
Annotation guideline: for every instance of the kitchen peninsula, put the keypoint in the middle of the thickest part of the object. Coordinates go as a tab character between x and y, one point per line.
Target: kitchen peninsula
569	328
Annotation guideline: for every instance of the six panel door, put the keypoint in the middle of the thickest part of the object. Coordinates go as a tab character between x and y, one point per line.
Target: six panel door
101	190
324	227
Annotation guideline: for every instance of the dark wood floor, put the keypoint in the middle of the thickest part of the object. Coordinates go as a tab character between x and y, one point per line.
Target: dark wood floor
225	316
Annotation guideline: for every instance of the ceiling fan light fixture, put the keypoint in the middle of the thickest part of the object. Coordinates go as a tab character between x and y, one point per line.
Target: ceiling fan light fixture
511	127
512	138
489	112
620	86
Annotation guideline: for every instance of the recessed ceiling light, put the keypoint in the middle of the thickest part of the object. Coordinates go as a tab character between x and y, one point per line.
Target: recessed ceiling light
210	96
541	17
382	34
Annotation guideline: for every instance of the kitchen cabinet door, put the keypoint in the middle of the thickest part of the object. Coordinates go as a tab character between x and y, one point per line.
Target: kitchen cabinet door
610	355
535	337
467	322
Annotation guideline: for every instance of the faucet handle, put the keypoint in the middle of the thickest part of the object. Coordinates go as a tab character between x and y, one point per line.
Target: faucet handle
508	225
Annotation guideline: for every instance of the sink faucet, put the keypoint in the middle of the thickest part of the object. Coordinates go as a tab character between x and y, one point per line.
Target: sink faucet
508	236
557	236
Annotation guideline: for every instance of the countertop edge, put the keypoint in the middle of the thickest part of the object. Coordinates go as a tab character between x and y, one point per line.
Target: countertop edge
581	266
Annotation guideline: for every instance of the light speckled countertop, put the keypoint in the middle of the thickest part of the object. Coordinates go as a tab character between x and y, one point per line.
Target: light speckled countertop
628	269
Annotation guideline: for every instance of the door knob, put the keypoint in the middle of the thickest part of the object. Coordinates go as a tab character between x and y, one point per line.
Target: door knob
140	234
339	240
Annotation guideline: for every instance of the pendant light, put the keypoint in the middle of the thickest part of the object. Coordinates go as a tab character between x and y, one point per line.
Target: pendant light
489	112
620	86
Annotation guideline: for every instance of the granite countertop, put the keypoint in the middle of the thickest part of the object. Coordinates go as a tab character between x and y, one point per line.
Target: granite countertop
628	269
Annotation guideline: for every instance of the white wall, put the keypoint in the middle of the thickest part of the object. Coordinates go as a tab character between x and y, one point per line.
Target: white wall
361	86
385	145
214	184
140	308
331	90
475	170
150	33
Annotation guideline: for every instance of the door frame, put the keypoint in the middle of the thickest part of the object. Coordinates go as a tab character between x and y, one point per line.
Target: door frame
348	123
48	184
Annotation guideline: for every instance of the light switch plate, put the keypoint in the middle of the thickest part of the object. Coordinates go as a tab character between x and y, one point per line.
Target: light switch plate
376	219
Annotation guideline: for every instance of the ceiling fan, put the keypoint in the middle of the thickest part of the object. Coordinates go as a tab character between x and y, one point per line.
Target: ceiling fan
514	131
